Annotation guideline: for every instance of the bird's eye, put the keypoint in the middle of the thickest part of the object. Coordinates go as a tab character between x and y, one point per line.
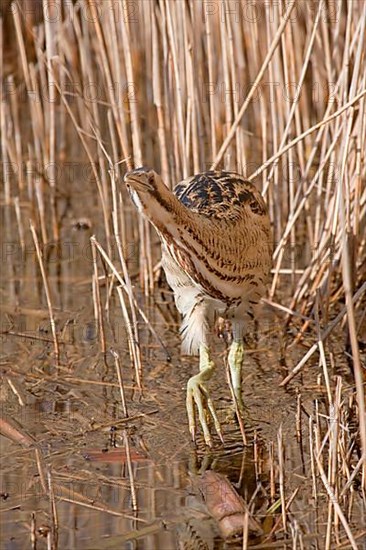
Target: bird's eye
151	179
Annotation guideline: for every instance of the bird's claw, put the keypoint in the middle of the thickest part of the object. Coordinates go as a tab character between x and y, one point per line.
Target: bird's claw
197	393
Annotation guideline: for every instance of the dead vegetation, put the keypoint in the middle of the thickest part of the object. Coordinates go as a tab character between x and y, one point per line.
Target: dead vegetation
274	90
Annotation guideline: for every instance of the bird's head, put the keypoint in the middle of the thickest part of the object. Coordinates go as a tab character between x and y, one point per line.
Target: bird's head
142	184
152	198
141	179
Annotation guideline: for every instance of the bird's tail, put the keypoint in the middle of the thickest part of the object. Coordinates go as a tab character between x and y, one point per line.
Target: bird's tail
194	329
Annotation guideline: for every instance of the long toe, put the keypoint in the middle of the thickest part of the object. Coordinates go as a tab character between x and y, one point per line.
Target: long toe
197	394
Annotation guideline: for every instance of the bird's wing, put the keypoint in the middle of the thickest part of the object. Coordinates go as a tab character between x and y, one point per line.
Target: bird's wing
219	195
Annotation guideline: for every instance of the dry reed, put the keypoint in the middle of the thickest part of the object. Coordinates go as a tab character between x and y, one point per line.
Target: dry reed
277	93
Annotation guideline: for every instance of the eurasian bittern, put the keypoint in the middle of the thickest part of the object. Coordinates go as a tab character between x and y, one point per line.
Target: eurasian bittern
216	254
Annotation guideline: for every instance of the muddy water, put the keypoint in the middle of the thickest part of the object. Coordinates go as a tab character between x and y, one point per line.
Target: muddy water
73	411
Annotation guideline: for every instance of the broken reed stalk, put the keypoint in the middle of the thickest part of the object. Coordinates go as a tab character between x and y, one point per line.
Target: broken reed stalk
246	530
132	343
334	500
281	476
15	111
47	293
33	531
4	153
334	421
279	519
52	511
96	300
133	346
130	471
117	364
19	224
330	453
324	335
137	307
322	355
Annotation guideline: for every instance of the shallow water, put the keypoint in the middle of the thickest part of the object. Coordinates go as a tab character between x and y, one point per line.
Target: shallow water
73	411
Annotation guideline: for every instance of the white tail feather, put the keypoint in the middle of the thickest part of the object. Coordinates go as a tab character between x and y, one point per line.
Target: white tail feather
194	329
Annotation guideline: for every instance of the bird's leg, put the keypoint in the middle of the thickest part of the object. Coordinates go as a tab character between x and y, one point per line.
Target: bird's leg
197	393
235	360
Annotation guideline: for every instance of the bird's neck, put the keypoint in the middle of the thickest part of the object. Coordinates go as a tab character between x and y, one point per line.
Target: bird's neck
166	212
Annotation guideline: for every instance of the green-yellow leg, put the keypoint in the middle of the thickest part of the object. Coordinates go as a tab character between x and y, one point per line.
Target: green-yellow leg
235	359
197	393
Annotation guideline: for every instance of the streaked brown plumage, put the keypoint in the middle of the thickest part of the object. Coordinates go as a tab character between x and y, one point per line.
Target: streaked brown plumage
217	247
